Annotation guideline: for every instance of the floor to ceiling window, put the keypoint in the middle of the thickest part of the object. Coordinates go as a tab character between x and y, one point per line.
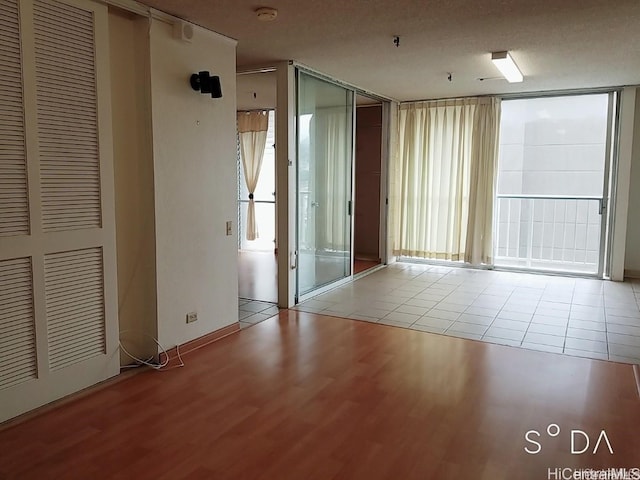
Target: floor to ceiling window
553	183
264	198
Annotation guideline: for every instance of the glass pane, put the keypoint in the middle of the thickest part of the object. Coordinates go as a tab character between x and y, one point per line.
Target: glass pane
265	212
550	168
266	220
325	144
267	180
553	146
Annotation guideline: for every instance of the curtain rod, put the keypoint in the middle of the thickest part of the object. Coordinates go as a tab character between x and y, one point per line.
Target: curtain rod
559	93
255	70
535	94
405	102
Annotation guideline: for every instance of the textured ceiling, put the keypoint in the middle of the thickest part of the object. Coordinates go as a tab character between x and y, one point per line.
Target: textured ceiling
558	44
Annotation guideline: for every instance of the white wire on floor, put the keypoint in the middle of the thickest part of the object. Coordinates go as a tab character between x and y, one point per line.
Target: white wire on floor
148	362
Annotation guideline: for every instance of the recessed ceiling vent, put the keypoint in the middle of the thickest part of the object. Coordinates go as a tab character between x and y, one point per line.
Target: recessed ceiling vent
266	14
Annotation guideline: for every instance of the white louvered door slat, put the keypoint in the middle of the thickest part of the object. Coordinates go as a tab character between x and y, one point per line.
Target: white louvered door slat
14	205
75	306
17	331
58	291
67	117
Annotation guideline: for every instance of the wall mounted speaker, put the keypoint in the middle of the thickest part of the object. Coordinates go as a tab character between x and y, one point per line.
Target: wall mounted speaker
183	31
206	83
216	87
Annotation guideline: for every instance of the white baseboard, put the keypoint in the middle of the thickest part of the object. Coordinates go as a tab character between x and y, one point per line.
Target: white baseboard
631	273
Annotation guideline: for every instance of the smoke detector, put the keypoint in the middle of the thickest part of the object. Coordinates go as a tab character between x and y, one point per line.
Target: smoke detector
266	14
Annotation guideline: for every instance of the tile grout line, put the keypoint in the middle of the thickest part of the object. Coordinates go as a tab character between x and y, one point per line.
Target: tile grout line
566	330
531	321
497	314
453	322
606	321
482	336
422	291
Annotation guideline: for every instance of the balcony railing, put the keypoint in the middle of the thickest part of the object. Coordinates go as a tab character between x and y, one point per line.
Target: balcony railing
548	232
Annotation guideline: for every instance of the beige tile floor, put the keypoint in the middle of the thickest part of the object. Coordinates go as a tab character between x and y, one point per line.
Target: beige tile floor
251	312
573	316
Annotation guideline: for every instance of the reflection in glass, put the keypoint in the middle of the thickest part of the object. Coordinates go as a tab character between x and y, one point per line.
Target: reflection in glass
325	144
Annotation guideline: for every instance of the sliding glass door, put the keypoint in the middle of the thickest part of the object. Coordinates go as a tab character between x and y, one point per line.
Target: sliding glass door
553	185
324	182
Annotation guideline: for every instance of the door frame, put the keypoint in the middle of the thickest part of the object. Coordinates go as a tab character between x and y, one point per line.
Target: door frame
383	207
350	193
608	192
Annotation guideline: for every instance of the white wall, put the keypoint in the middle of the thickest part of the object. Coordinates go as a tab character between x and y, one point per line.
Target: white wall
623	210
257	90
194	143
632	253
133	168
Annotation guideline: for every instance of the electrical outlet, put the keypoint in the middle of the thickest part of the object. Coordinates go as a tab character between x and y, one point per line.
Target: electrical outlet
229	227
192	317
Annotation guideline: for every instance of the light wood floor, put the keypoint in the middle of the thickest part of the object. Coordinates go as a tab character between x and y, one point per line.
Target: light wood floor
258	276
301	396
362	265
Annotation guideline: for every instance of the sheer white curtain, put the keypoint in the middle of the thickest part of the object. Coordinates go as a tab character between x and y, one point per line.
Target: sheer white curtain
252	132
442	150
333	177
484	165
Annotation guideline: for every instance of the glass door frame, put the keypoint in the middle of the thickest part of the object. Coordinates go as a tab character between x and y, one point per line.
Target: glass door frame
300	297
613	161
608	189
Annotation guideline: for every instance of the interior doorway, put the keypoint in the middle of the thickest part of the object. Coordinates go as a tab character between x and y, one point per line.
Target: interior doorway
367	184
257	242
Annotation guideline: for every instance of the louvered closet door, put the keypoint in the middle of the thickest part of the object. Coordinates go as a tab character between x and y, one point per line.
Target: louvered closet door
67	117
17	333
58	308
14	209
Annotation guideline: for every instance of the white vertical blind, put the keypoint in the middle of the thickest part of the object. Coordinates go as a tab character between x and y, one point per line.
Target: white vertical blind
14	206
67	116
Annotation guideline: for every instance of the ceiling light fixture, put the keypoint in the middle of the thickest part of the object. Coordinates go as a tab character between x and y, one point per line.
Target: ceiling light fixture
266	14
507	66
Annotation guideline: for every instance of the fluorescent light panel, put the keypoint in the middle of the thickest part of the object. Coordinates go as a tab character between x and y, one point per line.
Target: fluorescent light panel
507	66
